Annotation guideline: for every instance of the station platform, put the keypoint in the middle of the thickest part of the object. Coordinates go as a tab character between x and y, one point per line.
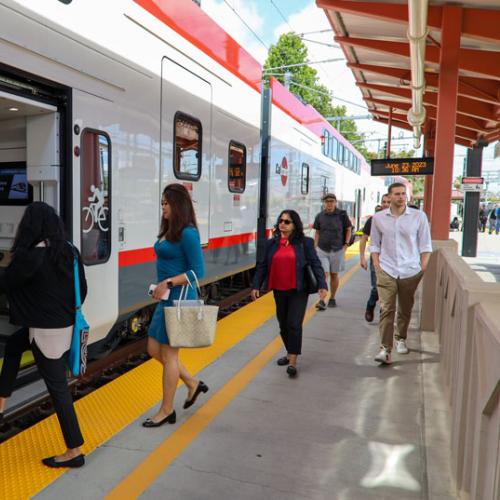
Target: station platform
345	428
487	261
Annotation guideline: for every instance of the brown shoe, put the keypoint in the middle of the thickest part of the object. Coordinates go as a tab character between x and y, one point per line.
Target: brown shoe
369	314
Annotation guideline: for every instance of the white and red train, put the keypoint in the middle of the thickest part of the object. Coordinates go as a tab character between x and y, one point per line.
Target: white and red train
104	103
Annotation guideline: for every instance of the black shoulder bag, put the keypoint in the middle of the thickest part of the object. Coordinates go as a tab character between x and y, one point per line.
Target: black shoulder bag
310	281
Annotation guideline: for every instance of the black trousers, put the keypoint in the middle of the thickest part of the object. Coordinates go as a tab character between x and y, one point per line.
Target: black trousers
53	372
290	310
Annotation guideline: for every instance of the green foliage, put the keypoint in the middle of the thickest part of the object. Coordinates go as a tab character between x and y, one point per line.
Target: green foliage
304	84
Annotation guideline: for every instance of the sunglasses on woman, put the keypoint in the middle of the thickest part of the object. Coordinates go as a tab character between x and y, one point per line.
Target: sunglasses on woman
284	221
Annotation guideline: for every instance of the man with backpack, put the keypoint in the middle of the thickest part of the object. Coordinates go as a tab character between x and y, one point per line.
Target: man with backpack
332	237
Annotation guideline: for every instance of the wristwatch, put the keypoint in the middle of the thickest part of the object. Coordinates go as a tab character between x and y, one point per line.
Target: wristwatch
170	284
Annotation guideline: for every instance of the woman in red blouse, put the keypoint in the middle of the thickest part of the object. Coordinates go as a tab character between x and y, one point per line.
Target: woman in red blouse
287	253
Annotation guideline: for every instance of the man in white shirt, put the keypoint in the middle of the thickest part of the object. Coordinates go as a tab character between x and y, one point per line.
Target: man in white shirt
400	249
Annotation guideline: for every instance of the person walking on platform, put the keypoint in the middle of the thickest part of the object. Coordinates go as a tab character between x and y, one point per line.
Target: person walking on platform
400	249
492	220
373	299
179	260
483	219
39	284
282	265
333	233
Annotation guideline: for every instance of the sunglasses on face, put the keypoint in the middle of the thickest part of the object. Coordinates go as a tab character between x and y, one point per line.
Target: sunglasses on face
285	221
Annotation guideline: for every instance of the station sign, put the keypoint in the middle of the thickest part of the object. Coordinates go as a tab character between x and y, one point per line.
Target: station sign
472	184
403	166
472	188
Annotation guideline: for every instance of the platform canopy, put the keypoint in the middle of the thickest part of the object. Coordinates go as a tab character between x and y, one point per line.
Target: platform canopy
373	36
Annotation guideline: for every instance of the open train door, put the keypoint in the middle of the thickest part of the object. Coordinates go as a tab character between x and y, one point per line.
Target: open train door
186	136
34	166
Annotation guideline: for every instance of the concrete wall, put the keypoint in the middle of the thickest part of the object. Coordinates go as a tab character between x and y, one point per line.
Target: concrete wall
465	312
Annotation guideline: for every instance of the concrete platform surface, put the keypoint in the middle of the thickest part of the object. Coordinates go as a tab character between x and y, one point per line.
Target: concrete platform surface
487	261
345	429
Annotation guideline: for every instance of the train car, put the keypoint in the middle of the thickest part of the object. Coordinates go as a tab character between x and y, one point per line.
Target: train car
102	104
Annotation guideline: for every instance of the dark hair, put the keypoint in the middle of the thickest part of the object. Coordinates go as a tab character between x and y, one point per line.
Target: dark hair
181	212
384	195
395	185
298	231
40	222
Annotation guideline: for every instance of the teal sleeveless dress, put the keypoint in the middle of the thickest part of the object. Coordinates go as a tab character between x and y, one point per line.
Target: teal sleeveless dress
173	258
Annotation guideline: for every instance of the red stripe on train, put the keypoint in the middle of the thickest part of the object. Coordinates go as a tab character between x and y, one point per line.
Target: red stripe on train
143	255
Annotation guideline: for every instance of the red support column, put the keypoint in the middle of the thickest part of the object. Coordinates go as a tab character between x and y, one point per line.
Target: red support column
446	121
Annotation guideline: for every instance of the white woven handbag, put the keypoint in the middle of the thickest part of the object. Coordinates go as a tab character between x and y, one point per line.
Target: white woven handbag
190	323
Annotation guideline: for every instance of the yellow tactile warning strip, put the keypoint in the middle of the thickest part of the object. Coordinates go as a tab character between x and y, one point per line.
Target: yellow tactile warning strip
156	463
27	359
108	410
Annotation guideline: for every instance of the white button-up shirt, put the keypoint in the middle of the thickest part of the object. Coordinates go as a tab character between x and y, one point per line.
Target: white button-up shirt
400	241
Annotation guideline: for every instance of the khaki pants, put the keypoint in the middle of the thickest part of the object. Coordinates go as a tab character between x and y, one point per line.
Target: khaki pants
388	289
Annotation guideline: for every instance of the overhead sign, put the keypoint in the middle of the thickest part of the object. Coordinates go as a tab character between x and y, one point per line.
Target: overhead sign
403	166
472	180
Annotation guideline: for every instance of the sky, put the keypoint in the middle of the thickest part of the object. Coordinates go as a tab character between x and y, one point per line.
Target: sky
270	18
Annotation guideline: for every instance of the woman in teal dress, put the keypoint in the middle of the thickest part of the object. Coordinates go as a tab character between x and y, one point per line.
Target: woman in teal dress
179	259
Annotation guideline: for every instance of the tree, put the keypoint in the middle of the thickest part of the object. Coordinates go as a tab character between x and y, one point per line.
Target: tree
457	183
304	84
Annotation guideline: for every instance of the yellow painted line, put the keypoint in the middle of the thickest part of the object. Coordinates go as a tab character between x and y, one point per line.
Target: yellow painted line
155	464
108	410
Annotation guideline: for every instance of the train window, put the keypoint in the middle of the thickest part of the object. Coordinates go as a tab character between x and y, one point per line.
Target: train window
187	147
335	149
236	178
95	196
304	185
326	150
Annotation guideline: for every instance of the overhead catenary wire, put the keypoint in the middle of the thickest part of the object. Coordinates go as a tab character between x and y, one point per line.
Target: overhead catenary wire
333	97
245	23
281	14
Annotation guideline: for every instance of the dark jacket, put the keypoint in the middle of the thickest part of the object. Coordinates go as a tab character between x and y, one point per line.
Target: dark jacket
39	294
305	253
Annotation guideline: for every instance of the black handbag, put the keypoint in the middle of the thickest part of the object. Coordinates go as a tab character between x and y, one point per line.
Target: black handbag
310	281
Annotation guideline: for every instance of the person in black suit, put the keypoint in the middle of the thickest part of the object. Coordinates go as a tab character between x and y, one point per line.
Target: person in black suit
40	288
286	256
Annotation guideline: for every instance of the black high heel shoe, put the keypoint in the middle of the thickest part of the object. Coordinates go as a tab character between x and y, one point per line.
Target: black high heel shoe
202	387
72	463
283	361
171	419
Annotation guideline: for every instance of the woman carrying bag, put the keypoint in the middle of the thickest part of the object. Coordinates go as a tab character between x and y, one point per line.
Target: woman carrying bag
293	270
179	262
40	288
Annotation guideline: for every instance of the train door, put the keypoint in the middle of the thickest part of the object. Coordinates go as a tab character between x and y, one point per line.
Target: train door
186	136
94	230
32	165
